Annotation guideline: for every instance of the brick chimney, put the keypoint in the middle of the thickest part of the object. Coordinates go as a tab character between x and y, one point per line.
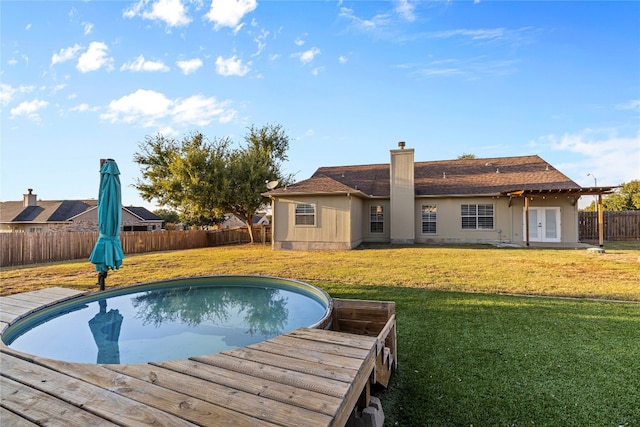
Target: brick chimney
402	217
30	199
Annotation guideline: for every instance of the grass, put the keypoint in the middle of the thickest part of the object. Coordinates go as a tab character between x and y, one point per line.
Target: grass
470	351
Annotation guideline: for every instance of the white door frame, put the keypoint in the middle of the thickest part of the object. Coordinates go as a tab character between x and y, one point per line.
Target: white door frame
544	224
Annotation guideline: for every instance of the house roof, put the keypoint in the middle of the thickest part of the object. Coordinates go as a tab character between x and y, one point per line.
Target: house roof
44	211
143	213
488	176
58	211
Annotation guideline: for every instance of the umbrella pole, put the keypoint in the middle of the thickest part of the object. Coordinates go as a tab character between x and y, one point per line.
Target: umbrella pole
101	276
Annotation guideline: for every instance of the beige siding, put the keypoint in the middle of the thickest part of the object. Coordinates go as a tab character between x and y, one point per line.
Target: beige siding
402	196
508	220
357	219
449	223
368	236
332	229
568	216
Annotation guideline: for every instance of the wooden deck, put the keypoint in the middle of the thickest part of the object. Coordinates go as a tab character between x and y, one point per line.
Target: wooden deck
308	377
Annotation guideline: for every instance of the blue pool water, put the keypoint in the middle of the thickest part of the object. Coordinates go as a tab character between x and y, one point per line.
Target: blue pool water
169	320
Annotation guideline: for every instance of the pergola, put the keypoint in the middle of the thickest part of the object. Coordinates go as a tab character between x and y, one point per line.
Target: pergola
576	193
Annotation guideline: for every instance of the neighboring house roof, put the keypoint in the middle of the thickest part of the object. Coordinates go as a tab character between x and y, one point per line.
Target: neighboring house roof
497	175
47	211
142	213
231	219
44	211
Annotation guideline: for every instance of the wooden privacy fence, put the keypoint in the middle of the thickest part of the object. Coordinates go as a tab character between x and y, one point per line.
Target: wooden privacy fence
618	225
233	235
34	248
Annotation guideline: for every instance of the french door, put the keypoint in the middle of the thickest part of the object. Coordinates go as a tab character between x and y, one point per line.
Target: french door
544	225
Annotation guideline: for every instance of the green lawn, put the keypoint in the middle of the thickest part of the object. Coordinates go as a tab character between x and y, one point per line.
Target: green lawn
469	353
486	360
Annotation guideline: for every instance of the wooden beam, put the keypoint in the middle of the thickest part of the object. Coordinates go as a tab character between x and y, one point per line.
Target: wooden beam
600	221
526	219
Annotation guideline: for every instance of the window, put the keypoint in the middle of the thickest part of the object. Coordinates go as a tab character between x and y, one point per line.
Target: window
305	214
477	217
428	219
377	219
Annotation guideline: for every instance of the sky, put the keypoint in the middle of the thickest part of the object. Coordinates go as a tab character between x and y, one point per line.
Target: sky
347	80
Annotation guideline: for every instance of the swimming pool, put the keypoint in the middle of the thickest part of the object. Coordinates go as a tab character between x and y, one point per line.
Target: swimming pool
169	320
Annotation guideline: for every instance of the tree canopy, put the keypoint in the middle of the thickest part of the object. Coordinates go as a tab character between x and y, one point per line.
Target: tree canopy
203	179
626	197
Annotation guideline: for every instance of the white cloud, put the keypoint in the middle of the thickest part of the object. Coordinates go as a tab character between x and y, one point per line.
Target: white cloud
171	12
343	59
634	104
405	9
65	54
149	108
199	111
483	34
81	108
298	42
379	20
231	66
468	68
140	64
613	159
95	58
228	13
260	39
27	27
87	27
29	109
7	92
142	106
308	55
189	66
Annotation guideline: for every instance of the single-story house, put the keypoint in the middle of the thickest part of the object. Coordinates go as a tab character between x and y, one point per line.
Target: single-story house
232	220
33	215
493	200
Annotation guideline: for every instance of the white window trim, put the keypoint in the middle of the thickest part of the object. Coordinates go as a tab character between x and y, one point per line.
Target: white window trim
295	215
371	222
477	216
435	207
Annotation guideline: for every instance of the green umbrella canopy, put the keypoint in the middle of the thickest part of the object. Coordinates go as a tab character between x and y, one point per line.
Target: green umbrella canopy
107	253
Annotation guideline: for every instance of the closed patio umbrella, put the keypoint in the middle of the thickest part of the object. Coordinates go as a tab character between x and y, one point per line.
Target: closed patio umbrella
105	327
107	253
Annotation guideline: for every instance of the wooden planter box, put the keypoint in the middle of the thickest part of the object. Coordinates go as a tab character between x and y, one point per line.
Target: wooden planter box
371	318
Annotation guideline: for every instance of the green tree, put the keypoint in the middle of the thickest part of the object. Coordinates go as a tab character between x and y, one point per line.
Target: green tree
168	216
626	197
465	156
204	179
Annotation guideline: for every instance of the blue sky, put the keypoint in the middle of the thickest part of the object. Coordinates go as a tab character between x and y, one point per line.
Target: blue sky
84	80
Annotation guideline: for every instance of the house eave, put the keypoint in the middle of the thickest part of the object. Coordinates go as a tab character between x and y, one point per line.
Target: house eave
317	193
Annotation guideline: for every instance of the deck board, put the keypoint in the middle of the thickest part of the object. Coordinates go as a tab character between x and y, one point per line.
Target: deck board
44	409
306	377
8	418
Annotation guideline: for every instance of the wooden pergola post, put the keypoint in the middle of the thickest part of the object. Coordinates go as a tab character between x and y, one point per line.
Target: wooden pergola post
526	218
600	221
